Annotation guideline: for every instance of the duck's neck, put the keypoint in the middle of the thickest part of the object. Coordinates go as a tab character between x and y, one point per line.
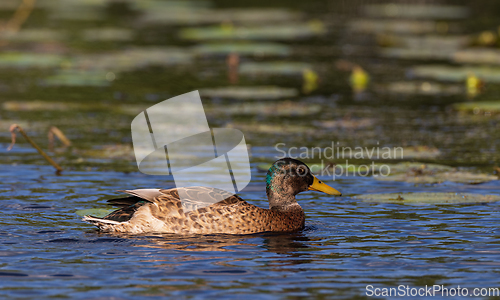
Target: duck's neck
281	196
281	201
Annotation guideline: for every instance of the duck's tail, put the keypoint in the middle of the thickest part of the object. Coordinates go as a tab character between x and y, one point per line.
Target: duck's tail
102	224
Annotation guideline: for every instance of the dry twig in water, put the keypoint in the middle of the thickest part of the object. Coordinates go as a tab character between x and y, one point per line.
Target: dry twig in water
12	130
54	131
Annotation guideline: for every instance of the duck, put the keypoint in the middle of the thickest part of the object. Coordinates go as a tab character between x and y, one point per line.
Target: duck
161	210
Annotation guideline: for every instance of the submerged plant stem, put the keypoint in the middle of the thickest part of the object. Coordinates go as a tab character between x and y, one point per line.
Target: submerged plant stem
12	130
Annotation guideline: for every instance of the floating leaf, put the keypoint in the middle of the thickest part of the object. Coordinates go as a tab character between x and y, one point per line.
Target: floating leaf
201	15
422	88
456	176
416	11
132	58
487	107
148	6
274	129
456	74
79	78
392	26
249	93
260	49
33	35
432	173
96	212
416	53
347	124
478	56
429	198
417	168
269	32
283	108
274	68
425	42
81	10
418	152
108	34
30	60
39	105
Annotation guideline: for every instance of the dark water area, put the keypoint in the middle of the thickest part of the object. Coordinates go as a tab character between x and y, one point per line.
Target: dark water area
315	74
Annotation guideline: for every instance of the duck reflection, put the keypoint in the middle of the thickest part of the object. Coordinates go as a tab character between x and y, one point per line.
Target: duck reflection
279	243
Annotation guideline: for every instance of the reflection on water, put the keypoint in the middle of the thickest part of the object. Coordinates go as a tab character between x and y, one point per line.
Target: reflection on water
280	243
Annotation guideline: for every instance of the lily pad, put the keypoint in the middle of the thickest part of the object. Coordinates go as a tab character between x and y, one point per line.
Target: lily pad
422	88
426	42
429	198
249	93
268	32
455	176
274	129
478	56
432	173
284	108
39	106
417	168
30	60
416	11
347	124
96	212
250	49
79	78
80	10
416	53
132	58
487	107
108	34
418	152
392	26
33	35
147	6
456	74
203	15
274	68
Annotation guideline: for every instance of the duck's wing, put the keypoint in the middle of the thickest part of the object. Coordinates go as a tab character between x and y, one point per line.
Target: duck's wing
197	197
167	201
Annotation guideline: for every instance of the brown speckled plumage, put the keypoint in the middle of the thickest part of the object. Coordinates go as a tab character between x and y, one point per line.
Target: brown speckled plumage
157	210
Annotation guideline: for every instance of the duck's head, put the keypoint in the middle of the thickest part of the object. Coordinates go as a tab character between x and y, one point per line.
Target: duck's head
287	177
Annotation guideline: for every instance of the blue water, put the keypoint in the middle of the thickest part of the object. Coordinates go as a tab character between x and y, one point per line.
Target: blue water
46	251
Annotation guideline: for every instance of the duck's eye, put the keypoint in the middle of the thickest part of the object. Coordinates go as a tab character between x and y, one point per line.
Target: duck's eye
301	171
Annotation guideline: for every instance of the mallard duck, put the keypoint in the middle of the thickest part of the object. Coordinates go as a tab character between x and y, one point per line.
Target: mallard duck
159	210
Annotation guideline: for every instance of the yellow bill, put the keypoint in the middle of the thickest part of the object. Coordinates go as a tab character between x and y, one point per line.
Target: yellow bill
319	186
